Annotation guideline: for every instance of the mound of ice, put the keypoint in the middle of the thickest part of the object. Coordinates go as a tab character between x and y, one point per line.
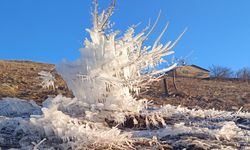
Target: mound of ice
14	107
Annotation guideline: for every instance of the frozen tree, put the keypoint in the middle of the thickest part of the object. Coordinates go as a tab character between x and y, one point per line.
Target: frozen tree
112	68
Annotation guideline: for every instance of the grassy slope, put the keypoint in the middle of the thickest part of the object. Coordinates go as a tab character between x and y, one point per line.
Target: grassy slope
20	79
210	93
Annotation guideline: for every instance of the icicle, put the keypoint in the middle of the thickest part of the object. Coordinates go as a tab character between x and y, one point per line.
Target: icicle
147	122
38	144
135	121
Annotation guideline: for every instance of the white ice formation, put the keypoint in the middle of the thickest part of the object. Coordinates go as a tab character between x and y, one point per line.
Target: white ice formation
48	80
13	107
113	68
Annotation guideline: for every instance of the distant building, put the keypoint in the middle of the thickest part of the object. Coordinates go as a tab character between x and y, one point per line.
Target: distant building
191	71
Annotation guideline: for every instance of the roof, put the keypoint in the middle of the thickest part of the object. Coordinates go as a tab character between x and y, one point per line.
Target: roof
195	66
200	68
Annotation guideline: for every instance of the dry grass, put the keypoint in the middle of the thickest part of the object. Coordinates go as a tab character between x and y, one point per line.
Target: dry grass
197	93
20	79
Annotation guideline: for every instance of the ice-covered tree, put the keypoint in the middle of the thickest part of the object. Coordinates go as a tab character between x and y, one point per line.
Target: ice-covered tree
112	68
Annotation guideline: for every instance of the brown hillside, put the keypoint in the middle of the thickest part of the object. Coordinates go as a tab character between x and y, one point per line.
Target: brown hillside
20	79
203	93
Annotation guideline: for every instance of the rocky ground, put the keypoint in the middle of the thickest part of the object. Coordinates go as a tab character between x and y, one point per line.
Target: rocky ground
20	79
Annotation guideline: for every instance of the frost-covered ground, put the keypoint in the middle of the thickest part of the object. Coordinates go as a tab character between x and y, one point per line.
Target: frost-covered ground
105	113
23	125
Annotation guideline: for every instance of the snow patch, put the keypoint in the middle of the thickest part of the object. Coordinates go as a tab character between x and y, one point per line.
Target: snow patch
14	107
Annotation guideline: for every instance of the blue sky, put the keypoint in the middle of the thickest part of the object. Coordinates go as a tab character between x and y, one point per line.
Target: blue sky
53	30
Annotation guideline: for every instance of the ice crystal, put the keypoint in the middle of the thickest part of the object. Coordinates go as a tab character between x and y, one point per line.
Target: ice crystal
48	80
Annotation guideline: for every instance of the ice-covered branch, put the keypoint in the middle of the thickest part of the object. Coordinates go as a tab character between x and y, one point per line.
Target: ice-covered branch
112	67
